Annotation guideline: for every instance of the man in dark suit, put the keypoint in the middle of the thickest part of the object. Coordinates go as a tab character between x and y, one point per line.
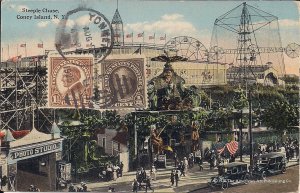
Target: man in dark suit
71	80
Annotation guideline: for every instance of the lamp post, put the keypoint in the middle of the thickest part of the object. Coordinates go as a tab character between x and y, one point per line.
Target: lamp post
240	112
241	137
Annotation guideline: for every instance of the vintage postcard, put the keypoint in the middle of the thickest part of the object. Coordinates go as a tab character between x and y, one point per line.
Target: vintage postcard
160	96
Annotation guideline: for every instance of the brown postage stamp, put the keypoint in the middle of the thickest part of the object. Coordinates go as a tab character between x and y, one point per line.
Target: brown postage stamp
65	80
124	80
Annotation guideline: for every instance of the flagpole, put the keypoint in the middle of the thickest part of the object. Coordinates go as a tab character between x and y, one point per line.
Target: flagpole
132	38
154	38
42	47
8	51
143	38
25	50
17	50
2	54
165	38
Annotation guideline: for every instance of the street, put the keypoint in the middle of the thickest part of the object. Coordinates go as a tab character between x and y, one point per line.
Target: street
288	182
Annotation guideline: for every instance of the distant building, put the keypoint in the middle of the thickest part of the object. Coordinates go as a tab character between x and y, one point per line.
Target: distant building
105	137
262	74
120	143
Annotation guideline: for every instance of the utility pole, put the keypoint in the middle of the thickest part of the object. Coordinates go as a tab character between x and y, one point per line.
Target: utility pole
241	137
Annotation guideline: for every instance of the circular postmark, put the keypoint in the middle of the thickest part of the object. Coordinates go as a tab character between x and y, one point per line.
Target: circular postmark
84	30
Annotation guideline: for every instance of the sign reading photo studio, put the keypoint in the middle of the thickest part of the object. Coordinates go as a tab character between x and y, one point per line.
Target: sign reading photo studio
33	151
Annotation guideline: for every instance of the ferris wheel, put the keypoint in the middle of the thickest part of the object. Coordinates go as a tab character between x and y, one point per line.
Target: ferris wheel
187	47
292	50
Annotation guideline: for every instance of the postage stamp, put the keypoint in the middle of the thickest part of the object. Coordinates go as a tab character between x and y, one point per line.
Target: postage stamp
124	81
84	29
66	88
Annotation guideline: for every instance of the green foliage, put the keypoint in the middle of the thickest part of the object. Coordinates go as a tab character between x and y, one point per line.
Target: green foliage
280	115
81	145
291	79
219	120
240	100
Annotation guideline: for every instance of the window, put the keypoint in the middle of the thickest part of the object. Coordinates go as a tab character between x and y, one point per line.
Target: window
234	170
119	147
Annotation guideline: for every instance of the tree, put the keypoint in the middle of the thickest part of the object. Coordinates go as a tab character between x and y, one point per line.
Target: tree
280	115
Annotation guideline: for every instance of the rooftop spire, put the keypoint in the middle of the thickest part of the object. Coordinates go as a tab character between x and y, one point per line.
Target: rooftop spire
117	18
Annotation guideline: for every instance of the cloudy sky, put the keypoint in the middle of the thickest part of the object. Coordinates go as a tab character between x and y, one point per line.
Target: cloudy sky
170	18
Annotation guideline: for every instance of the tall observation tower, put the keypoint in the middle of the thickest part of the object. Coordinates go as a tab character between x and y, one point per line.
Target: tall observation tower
117	25
249	39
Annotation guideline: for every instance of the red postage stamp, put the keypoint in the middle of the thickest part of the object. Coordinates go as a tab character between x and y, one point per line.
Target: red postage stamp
67	81
124	80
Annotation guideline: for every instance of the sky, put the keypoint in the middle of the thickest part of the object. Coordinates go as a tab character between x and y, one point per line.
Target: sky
160	18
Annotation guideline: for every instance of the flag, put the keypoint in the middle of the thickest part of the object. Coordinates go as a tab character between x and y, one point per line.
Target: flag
168	148
140	35
15	59
40	45
220	147
163	37
139	50
22	45
232	147
129	35
152	37
89	45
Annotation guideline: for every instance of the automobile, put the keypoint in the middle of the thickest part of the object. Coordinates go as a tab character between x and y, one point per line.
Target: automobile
230	174
270	164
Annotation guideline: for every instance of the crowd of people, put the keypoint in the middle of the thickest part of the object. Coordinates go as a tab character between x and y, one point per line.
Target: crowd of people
33	188
143	180
82	188
290	148
112	171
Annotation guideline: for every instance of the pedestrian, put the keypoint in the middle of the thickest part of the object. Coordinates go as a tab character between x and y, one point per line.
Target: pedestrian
153	173
176	178
148	184
143	174
109	173
200	162
191	160
172	178
84	187
121	169
115	172
111	189
186	164
292	150
175	158
72	188
232	158
211	162
182	169
297	151
135	186
287	154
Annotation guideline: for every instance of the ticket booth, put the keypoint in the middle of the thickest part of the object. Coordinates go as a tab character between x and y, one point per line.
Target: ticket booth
32	160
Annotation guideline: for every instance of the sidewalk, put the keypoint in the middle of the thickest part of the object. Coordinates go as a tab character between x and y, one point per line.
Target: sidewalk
194	179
